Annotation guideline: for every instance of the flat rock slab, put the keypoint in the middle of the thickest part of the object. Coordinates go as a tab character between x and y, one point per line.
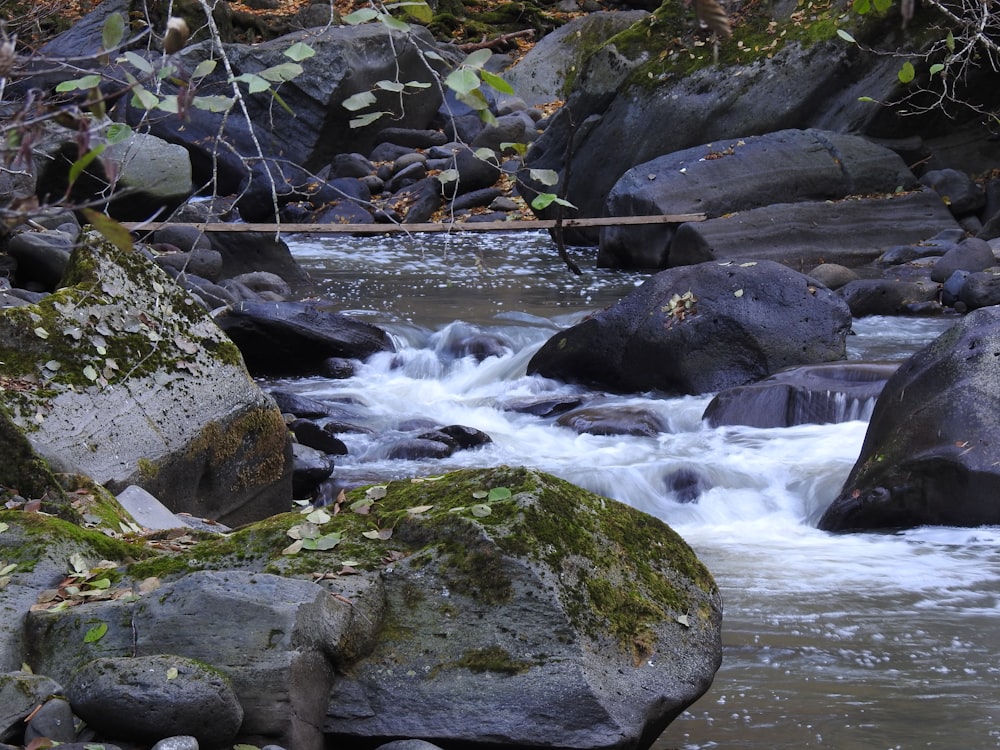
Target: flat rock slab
851	232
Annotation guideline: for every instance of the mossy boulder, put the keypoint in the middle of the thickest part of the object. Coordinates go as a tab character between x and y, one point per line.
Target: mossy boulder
476	608
121	376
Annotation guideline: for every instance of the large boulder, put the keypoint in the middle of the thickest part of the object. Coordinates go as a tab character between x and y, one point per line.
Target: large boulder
122	377
482	608
930	455
702	328
737	174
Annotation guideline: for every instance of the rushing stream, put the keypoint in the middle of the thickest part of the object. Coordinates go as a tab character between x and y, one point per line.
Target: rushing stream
847	642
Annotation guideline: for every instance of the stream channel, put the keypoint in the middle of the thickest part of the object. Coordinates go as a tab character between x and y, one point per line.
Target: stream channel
851	642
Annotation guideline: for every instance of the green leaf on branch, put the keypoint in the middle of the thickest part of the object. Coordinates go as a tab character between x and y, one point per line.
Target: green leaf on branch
282	72
949	42
936	68
394	86
477	59
363	120
299	52
393	23
77	167
546	177
418	11
846	36
143	97
117	132
862	6
204	68
113	31
214	103
111	230
139	62
447	175
417	85
80	84
462	81
544	200
496	82
907	73
362	15
255	83
358	101
881	6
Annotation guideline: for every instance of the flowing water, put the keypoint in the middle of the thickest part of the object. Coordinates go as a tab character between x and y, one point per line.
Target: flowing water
848	642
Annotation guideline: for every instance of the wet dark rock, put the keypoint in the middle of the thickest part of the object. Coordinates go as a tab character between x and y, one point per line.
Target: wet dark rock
310	468
597	420
351	165
247	252
54	720
184	237
417	203
411	138
686	484
342	212
206	263
311	434
464	340
701	328
833	275
885	296
408	745
406	177
264	282
42	257
181	742
812	394
972	254
20	694
474	173
388	152
465	437
211	296
957	190
544	407
413	449
296	337
139	699
338	368
980	289
930	455
952	288
476	198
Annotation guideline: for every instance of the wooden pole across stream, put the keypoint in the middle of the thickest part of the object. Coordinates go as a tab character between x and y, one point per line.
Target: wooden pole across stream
478	226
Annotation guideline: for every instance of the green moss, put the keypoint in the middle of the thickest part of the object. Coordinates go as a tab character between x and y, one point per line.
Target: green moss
43	532
492	659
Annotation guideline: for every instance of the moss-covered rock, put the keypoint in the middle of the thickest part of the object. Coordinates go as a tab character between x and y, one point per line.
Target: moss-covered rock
483	606
121	376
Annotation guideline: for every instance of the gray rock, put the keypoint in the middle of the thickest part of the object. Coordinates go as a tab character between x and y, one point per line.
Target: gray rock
851	233
886	296
151	173
274	639
738	174
980	289
408	745
114	351
20	694
147	511
833	275
971	255
594	419
146	698
205	263
553	63
957	190
930	456
54	720
181	742
503	644
702	328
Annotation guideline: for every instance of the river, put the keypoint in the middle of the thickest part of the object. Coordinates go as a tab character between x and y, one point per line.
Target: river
848	642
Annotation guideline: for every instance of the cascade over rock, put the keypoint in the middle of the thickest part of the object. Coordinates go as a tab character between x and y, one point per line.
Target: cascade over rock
930	455
122	377
701	328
